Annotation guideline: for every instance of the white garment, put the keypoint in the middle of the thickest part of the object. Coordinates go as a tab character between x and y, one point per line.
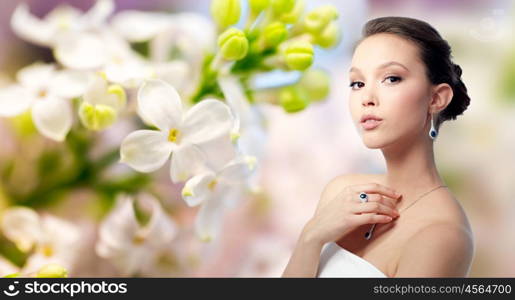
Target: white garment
336	261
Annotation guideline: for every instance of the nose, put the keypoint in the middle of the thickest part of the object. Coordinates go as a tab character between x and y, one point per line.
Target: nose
369	99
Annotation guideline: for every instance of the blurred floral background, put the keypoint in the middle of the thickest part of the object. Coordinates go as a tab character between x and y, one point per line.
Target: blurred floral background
66	198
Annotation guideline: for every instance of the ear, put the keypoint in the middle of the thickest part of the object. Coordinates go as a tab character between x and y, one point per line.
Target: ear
441	97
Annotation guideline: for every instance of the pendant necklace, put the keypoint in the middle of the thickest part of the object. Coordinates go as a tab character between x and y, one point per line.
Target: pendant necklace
368	234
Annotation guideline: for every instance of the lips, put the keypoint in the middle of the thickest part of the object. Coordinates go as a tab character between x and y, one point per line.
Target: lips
370	121
366	117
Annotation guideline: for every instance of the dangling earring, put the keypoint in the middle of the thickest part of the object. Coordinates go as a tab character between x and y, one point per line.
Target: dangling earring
432	132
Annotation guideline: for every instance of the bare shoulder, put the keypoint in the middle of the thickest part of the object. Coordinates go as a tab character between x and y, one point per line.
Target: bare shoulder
439	249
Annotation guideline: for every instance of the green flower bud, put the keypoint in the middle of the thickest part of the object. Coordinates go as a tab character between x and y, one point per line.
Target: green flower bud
316	84
329	37
225	12
293	99
294	15
233	44
52	271
256	6
96	117
274	34
299	55
282	6
319	18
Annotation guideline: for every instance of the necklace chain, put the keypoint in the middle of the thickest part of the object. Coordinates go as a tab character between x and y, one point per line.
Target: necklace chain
368	234
421	198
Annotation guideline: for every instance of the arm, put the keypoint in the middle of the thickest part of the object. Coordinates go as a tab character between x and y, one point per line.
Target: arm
306	255
338	212
439	250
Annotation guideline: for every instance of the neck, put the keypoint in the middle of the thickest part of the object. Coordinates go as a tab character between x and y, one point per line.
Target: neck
411	169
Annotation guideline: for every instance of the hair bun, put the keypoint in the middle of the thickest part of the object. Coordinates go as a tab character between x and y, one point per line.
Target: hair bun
457	70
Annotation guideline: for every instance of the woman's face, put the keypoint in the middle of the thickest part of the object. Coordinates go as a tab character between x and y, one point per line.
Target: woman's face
388	80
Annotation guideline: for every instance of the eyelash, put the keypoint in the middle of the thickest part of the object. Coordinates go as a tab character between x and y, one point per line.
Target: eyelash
397	77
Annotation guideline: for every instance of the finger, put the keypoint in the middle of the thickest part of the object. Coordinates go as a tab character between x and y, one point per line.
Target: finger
375	188
388	201
381	199
372	219
371	198
375	207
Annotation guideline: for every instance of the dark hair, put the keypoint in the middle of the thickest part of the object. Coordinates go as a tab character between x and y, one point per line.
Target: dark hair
435	52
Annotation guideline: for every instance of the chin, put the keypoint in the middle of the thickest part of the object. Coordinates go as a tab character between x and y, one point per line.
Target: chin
374	141
373	145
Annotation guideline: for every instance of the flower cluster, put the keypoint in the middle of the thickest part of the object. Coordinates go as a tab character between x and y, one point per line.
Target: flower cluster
189	81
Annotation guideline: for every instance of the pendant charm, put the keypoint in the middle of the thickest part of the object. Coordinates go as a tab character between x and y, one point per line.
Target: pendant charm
368	234
432	132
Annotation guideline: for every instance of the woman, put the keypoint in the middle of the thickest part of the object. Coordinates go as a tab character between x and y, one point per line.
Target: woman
403	86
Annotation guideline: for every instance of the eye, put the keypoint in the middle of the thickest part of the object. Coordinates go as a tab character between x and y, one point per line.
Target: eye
395	78
360	84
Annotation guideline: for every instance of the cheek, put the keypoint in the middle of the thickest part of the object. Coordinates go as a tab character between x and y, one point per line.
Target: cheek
354	107
406	105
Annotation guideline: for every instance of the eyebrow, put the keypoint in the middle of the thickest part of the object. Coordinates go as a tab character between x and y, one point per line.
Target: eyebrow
387	64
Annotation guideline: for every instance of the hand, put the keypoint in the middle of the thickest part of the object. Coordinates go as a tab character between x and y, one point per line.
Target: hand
344	212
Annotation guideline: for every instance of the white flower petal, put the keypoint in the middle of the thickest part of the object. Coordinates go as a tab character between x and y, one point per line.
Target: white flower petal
131	262
103	249
30	28
81	51
70	83
14	100
250	122
160	229
146	150
59	233
52	117
118	228
187	160
161	44
22	226
126	243
96	90
196	190
38	259
196	34
36	76
176	72
130	73
98	93
210	218
160	105
237	171
98	14
63	17
62	237
138	26
207	120
219	152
